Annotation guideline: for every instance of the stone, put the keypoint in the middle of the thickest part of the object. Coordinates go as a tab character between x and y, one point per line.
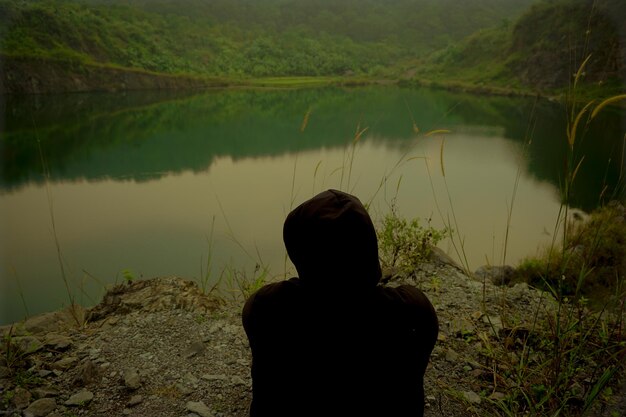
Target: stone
498	275
184	390
199	408
190	379
21	398
57	341
45	392
497	396
41	408
472	397
27	344
237	380
87	373
64	363
494	322
55	321
80	398
209	377
196	348
135	400
132	380
461	327
452	356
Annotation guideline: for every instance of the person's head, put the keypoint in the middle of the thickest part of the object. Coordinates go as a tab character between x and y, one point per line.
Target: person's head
331	240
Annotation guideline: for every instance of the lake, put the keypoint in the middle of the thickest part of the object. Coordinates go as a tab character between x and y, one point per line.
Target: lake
154	184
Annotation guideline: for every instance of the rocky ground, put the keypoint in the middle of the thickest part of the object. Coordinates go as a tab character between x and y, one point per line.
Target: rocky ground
161	348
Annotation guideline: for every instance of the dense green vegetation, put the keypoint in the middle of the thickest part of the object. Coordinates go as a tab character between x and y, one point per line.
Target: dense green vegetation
542	50
243	37
521	45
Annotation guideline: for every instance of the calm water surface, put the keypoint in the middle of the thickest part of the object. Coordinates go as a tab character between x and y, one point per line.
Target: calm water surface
147	182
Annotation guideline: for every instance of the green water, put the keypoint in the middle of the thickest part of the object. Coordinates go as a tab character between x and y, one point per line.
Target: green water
146	182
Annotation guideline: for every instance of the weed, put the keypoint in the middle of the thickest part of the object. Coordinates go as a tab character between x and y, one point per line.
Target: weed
14	356
570	356
238	285
405	244
128	276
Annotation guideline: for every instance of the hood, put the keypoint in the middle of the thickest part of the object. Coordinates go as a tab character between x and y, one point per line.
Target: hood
331	240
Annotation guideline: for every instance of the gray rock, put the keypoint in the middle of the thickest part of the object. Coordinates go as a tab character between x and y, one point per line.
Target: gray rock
190	379
199	408
57	341
237	380
80	398
498	275
55	321
452	356
209	377
41	408
135	400
184	390
461	327
196	348
495	322
27	344
472	397
132	380
87	373
45	392
21	398
498	396
64	363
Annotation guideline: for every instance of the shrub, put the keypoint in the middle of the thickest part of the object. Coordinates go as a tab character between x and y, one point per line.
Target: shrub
591	261
405	244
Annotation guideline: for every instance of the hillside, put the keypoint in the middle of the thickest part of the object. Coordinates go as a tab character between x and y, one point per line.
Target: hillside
542	50
241	38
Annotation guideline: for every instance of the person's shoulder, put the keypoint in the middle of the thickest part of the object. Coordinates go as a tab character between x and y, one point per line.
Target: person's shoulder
276	289
409	299
273	294
405	294
270	302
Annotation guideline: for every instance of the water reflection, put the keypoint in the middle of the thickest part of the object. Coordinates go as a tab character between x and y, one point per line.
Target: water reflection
136	179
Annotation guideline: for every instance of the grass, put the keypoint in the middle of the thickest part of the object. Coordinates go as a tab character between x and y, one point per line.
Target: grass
569	358
566	360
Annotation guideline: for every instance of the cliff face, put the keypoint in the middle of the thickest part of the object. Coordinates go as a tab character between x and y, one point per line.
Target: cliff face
35	76
552	40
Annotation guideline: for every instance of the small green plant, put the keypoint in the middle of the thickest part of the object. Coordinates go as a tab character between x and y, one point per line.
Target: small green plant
405	244
240	285
128	276
13	355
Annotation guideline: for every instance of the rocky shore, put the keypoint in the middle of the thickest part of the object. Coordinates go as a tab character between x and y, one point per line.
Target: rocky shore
160	347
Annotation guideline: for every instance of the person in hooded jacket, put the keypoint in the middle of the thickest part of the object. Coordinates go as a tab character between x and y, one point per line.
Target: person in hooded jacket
332	342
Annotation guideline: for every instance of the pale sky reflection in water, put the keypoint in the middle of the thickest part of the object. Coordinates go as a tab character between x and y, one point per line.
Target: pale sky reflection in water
161	227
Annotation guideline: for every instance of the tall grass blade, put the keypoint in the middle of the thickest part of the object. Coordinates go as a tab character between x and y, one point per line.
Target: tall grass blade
571	133
57	244
436	132
581	70
359	134
305	120
443	170
576	169
605	103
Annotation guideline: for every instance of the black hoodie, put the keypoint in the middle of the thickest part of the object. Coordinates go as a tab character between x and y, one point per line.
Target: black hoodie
332	342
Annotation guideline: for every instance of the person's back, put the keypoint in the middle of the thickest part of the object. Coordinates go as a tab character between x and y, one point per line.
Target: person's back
332	342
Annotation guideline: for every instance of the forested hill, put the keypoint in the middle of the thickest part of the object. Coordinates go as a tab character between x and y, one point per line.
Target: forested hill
231	38
543	50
